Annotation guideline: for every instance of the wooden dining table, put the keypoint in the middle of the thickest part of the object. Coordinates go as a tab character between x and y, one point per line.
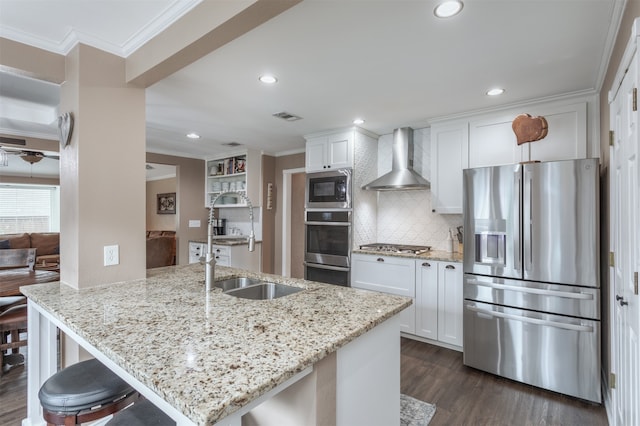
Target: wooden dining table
12	279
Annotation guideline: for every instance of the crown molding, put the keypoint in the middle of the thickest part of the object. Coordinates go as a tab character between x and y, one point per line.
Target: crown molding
156	25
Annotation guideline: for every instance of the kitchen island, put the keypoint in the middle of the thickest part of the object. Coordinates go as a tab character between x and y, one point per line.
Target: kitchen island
211	358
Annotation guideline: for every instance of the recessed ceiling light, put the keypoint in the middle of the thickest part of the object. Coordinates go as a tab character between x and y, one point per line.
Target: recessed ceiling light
193	135
268	79
495	92
447	9
358	121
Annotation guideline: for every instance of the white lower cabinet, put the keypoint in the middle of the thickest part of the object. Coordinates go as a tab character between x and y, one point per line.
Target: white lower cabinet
236	256
439	301
427	299
450	303
387	274
434	286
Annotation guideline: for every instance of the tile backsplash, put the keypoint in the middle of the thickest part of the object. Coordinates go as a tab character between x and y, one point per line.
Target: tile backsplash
238	221
405	217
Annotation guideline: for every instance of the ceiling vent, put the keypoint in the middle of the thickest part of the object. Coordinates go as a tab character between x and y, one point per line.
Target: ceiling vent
287	116
231	144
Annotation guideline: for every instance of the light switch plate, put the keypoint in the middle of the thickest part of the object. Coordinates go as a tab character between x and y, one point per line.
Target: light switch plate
194	224
111	255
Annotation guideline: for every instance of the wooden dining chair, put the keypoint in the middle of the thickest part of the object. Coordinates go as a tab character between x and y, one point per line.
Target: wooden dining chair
13	310
18	258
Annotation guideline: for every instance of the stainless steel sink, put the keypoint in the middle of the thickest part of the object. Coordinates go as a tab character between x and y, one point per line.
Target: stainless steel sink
237	282
264	291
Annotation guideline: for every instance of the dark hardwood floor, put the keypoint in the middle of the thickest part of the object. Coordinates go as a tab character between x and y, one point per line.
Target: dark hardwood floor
465	396
13	394
462	395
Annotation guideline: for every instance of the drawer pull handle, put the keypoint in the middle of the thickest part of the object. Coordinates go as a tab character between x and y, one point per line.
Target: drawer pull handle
380	259
426	265
450	267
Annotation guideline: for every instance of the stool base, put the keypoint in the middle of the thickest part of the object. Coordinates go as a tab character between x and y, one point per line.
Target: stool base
73	419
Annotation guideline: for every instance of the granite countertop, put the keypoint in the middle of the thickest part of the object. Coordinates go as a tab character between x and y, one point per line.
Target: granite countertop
209	355
439	255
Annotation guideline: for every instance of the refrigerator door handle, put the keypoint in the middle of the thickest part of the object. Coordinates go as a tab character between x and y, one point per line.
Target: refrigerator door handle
535	321
528	222
541	291
517	250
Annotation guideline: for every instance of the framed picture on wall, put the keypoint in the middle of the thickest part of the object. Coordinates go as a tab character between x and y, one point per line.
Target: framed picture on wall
167	203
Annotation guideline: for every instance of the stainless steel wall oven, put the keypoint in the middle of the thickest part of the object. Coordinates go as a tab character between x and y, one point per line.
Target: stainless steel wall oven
328	246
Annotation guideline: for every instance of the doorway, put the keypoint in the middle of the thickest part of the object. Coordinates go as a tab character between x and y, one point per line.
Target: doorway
293	182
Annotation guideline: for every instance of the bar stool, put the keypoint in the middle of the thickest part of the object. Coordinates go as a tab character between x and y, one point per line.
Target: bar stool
84	392
142	413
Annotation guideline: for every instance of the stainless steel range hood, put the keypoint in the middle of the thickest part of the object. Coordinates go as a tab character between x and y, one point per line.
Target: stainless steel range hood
402	176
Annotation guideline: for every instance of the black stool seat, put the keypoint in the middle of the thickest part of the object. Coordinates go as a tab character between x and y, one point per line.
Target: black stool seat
82	386
142	413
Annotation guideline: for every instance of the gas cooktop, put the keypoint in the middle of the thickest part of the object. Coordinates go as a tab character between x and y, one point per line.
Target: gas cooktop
395	248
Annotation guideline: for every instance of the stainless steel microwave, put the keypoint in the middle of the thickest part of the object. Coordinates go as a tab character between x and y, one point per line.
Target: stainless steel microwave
329	190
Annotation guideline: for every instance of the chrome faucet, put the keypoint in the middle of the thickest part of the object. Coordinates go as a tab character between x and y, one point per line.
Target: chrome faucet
209	260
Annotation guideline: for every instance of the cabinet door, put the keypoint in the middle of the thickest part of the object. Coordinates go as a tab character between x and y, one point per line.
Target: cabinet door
449	156
387	274
339	148
450	303
567	137
196	251
493	143
315	158
427	299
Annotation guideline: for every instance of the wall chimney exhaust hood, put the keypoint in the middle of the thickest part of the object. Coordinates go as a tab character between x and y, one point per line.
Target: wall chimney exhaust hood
402	176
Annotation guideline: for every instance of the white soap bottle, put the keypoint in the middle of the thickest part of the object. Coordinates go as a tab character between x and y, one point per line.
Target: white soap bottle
450	242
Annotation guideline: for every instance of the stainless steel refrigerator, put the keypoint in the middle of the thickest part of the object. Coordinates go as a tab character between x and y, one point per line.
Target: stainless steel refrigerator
531	274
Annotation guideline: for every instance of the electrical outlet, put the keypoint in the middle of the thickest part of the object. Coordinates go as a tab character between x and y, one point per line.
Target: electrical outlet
111	255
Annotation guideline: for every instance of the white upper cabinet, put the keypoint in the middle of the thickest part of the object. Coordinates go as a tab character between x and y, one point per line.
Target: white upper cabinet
492	141
449	156
483	140
329	151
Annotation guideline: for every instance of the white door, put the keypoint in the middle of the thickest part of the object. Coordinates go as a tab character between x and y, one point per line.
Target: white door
624	205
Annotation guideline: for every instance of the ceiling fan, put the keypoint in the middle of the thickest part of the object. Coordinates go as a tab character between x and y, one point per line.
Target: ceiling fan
28	155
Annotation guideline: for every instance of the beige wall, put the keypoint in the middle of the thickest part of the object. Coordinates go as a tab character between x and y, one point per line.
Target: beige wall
155	221
286	162
190	175
32	61
102	177
631	12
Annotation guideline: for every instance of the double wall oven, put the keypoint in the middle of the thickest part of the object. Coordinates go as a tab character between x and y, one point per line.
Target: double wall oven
328	214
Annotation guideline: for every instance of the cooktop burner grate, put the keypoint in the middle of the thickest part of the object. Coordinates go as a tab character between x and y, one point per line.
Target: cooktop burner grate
395	248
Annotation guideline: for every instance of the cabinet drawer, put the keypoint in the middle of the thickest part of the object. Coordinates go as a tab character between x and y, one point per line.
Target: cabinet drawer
385	274
221	250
